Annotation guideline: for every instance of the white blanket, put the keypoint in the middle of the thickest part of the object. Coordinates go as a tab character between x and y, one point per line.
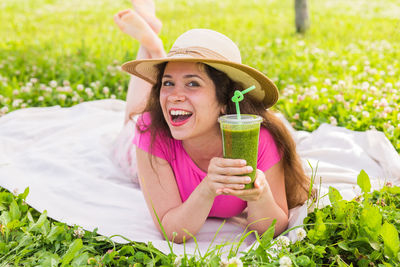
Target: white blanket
64	156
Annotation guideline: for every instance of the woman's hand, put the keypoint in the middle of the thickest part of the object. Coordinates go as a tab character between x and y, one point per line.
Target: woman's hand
223	174
261	189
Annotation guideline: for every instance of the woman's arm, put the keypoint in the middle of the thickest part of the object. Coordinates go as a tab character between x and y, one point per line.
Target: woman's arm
272	203
266	201
162	194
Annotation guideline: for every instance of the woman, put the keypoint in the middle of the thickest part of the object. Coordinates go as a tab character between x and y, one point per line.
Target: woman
182	173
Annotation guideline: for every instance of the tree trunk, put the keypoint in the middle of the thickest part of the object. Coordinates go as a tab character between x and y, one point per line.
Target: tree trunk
301	10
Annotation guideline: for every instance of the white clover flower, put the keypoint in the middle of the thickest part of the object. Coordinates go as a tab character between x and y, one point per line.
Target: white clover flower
235	262
332	120
300	233
285	261
388	110
79	232
390	129
53	83
365	86
353	68
66	83
62	97
4	110
223	262
301	43
291	87
339	98
341	83
40	98
288	92
313	79
365	114
178	261
79	87
74	99
282	241
389	85
273	250
33	80
327	81
15	92
296	116
106	90
232	262
89	92
113	96
23	105
373	89
16	103
300	98
322	107
383	102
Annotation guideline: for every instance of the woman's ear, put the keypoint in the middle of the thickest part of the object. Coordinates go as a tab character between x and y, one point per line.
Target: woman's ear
223	110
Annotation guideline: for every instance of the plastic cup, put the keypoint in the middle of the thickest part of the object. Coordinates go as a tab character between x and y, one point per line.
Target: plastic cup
240	140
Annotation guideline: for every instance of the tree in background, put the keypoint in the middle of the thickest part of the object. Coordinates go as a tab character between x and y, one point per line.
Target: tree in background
301	10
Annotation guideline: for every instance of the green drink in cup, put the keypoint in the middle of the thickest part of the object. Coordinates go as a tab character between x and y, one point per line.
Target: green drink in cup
240	139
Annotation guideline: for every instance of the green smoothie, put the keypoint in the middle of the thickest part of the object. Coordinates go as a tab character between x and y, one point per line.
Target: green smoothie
240	140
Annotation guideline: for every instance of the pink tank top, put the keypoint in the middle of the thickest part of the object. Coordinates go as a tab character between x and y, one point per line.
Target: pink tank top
188	175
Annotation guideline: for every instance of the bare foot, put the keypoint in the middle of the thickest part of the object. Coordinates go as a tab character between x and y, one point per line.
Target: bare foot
131	23
147	9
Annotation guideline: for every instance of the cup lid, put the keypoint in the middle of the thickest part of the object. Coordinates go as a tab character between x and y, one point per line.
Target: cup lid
244	119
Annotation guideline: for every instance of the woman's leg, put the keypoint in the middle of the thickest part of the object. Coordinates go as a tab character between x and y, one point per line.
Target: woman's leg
145	31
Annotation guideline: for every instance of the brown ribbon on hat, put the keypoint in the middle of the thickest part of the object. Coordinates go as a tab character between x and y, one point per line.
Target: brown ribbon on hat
196	51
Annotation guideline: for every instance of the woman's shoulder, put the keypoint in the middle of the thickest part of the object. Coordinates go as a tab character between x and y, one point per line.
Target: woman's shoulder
265	135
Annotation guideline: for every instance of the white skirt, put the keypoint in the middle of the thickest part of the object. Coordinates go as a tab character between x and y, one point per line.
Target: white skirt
124	151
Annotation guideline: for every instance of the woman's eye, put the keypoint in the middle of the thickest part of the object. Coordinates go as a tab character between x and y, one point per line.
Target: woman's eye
167	83
193	83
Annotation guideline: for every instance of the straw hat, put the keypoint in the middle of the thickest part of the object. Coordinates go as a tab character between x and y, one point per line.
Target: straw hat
216	50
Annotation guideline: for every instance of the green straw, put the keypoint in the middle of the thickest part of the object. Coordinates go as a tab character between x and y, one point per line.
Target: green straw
238	96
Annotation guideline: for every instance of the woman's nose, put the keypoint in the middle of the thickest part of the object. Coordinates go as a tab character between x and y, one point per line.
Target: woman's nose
177	95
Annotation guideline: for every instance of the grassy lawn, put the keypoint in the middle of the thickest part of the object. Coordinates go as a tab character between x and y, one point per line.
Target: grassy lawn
345	71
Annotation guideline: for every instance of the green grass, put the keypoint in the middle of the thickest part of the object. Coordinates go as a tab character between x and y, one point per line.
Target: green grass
344	71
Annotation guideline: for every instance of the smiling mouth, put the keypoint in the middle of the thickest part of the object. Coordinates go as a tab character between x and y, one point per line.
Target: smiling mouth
179	116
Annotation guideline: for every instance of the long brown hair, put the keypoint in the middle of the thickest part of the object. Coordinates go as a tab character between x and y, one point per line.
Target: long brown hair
297	184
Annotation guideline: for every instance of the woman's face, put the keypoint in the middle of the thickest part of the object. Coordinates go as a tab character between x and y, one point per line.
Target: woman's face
188	100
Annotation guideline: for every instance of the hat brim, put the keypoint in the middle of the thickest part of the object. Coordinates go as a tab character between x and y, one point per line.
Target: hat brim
266	91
